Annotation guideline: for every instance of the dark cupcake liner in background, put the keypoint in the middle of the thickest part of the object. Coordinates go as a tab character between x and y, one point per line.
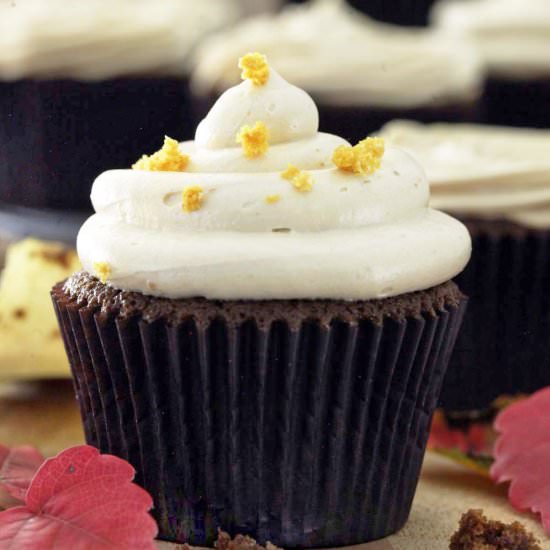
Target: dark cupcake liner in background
302	433
356	123
504	344
518	103
400	12
56	136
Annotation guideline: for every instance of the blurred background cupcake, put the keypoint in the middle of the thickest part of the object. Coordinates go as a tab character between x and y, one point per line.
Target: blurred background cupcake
513	38
496	180
400	12
361	73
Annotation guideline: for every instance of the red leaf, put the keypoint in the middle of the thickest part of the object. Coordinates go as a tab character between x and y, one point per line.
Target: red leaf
17	467
83	501
522	454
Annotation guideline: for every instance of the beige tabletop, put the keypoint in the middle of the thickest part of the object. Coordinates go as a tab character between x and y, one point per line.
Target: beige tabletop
45	415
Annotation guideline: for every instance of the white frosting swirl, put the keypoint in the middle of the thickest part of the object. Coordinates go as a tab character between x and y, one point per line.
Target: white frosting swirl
351	237
482	171
343	57
512	36
98	39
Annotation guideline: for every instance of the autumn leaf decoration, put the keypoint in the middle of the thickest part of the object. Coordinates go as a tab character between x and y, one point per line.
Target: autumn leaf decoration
79	499
522	454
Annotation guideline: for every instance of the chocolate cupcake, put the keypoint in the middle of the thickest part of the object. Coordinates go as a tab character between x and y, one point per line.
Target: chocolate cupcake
497	181
263	323
513	38
89	85
361	73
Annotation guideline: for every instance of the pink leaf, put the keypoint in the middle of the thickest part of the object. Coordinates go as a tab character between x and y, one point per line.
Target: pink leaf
83	501
17	467
522	454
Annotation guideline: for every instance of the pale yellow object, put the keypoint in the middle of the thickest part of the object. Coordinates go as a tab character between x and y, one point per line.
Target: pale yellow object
254	68
272	199
192	198
363	158
300	179
103	271
167	159
30	341
254	140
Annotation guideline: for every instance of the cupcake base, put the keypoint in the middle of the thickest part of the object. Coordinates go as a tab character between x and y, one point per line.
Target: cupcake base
504	345
518	103
299	422
60	134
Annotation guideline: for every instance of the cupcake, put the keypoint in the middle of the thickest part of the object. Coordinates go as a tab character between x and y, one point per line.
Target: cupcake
89	85
362	74
497	181
513	38
263	323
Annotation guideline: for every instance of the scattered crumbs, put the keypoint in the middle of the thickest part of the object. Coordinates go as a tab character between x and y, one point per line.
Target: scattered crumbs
281	230
301	180
255	140
167	159
254	68
363	158
476	532
19	313
192	198
103	271
272	199
239	542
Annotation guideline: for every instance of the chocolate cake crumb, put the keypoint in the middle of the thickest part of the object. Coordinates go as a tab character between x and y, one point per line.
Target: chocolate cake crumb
19	313
476	532
240	542
83	289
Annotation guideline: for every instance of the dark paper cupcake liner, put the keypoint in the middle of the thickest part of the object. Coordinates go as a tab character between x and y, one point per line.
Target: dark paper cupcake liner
354	123
504	345
301	433
518	103
58	135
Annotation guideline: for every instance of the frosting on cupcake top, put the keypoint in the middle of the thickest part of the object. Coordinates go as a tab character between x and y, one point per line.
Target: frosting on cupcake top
97	39
263	206
342	57
482	171
512	36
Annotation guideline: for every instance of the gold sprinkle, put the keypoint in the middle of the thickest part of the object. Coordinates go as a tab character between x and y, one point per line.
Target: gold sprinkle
167	159
272	199
192	198
103	271
255	141
363	158
254	68
300	179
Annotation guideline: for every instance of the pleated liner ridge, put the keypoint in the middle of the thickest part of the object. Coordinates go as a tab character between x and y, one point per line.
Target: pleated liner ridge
303	434
504	344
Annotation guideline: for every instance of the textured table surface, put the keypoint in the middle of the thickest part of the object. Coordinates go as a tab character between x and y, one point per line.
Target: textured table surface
45	415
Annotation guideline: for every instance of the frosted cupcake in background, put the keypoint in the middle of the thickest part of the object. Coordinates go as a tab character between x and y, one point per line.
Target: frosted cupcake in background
87	85
263	323
513	38
361	73
497	181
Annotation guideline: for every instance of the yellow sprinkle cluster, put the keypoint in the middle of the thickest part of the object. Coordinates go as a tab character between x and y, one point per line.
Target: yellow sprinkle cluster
102	270
272	199
363	158
255	140
254	68
167	159
192	198
300	179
